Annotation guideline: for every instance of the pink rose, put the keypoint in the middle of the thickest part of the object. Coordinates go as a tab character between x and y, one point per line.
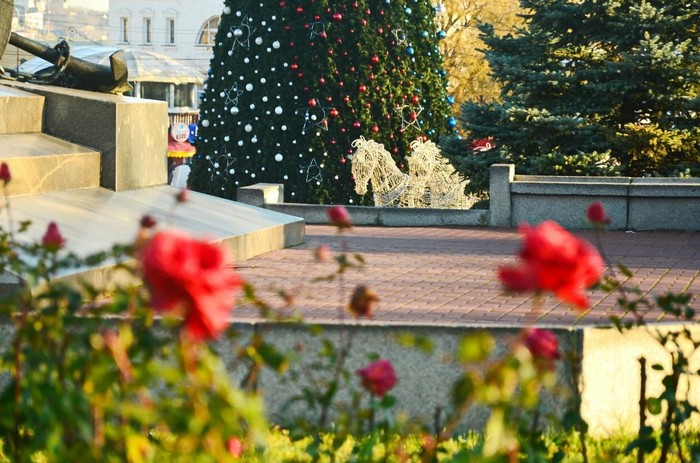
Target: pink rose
378	377
322	253
5	173
52	239
190	275
339	216
556	261
542	343
235	446
596	214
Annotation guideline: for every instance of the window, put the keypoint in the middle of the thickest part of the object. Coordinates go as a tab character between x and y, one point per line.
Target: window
147	36
154	91
183	96
124	30
170	31
207	33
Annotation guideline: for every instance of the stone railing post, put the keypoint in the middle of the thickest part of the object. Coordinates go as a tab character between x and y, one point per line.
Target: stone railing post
500	211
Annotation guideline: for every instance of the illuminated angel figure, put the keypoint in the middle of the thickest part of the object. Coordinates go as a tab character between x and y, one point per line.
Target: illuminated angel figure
433	174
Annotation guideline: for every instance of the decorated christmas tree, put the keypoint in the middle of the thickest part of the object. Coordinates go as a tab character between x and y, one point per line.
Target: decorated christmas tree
293	83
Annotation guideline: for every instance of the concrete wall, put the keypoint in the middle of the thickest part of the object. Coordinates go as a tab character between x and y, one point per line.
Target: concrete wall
271	196
130	133
632	203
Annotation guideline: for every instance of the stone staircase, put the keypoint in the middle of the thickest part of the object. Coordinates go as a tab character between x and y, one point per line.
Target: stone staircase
98	195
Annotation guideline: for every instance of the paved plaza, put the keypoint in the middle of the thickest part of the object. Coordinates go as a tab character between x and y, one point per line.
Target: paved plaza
447	276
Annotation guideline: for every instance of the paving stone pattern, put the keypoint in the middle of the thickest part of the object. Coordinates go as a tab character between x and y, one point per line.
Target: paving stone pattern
447	276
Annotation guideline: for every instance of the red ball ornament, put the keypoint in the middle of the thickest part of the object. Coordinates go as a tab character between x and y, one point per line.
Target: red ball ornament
321	80
356	124
333	142
352	68
317	18
337	17
334	113
329	99
301	74
330	52
380	31
375	59
287	27
346	98
294	66
362	88
323	35
375	128
312	102
282	4
413	116
391	136
415	99
291	44
300	10
363	21
339	40
368	12
343	130
387	116
341	84
368	105
342	160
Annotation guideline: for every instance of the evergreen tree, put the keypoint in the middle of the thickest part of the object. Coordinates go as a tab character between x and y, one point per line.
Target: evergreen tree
293	83
591	87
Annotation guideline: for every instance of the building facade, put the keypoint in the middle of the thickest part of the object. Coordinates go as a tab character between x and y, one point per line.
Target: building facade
181	29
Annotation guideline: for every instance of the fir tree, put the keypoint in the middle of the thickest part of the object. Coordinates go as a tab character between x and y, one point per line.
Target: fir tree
591	87
293	83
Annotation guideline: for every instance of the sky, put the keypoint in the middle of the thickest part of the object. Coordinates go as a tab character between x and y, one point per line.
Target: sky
101	5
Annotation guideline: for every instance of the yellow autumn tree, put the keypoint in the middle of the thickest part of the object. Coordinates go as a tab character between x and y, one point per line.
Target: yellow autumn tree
467	69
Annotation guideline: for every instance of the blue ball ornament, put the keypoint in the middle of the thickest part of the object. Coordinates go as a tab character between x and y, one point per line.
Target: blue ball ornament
410	51
407	10
452	122
443	73
424	34
441	34
450	99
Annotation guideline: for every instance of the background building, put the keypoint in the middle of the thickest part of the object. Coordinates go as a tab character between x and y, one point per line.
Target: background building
183	30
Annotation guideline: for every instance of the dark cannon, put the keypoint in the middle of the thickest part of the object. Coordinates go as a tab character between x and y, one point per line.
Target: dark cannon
66	71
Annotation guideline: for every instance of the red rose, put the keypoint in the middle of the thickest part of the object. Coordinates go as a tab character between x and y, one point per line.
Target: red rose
52	239
596	214
542	344
378	377
554	260
339	216
363	301
193	276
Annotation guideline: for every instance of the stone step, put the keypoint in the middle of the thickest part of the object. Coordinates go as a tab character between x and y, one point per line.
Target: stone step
40	163
20	111
93	219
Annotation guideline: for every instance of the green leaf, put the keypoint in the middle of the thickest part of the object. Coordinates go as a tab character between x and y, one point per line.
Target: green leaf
624	270
273	358
462	390
654	406
475	348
